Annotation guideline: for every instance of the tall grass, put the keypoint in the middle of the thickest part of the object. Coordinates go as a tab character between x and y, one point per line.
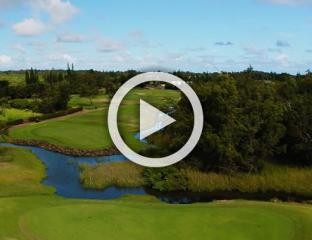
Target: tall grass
120	174
273	178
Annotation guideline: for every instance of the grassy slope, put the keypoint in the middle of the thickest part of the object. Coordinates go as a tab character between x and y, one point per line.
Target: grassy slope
21	173
89	131
56	218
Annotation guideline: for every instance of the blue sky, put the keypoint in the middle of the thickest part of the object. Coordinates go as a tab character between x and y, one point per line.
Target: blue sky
198	35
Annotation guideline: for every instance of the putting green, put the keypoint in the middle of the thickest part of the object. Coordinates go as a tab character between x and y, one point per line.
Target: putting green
57	218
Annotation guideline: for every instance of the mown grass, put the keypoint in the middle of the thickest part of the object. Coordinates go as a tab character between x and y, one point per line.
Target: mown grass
13	78
21	173
99	101
10	114
89	130
53	218
120	174
133	217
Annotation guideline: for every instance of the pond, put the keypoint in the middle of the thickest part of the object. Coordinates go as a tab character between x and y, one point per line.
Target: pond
63	174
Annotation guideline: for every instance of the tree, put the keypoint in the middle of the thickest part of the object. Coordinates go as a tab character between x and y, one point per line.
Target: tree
88	86
4	89
243	125
56	93
297	141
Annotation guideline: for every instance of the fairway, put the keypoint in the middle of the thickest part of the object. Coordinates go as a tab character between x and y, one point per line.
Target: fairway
140	218
88	130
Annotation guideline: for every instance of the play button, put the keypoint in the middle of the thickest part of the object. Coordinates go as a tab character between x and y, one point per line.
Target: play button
152	120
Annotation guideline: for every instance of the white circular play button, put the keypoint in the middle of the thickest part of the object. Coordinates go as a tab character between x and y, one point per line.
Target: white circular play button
153	120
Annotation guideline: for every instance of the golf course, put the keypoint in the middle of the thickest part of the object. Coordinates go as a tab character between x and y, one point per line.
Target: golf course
30	210
92	123
156	120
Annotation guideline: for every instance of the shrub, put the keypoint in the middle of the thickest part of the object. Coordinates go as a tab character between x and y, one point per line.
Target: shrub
14	122
54	115
165	179
21	104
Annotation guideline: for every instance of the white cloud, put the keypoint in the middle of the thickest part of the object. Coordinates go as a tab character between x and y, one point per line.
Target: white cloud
282	59
5	59
29	27
109	45
62	57
71	38
19	48
59	10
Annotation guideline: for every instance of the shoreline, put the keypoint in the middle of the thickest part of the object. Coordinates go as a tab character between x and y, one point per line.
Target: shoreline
65	150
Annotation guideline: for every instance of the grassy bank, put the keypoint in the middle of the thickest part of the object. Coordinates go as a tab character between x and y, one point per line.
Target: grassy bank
21	173
289	180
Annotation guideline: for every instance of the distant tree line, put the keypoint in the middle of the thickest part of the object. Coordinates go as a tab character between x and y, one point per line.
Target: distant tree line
50	90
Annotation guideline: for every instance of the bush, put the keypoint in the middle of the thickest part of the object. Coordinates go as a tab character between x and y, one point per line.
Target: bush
21	104
15	122
165	179
54	115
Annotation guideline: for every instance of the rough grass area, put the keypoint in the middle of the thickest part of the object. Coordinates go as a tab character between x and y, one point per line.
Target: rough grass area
120	174
21	173
277	178
289	180
53	218
11	114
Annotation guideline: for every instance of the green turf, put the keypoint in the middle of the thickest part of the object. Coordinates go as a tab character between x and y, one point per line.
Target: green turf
89	130
10	114
96	102
56	218
38	216
13	78
21	173
16	78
